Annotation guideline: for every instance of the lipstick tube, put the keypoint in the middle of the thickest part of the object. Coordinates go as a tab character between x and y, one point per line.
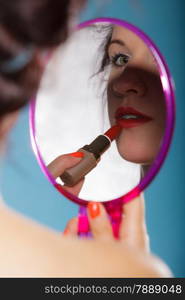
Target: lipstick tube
92	154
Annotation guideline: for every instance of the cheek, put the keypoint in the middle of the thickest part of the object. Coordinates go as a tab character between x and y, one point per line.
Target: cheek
157	99
161	112
113	104
111	111
140	145
157	128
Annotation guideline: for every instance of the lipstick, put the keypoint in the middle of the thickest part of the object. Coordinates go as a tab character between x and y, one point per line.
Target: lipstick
92	155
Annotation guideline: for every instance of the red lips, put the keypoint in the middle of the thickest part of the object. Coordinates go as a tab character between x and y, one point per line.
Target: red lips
128	117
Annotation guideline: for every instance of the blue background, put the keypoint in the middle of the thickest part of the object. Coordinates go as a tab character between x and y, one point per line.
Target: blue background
27	190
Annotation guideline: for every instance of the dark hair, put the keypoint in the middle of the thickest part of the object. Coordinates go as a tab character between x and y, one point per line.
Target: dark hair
24	24
104	47
103	35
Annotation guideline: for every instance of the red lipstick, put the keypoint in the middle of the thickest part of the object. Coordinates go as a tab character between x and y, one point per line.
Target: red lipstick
91	157
128	117
113	132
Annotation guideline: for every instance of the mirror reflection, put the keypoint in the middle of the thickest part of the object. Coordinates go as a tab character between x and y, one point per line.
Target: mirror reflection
100	112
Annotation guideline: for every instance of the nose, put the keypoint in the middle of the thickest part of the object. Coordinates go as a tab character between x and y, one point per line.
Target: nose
129	82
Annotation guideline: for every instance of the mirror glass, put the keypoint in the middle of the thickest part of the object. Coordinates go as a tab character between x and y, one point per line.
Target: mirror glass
107	75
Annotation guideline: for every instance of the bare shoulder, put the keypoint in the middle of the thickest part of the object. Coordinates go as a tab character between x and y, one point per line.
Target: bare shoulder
31	250
118	260
27	248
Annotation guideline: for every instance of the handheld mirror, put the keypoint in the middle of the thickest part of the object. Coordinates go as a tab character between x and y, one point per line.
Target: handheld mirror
108	95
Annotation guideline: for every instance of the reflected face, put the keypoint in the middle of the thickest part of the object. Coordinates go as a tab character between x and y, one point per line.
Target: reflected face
135	97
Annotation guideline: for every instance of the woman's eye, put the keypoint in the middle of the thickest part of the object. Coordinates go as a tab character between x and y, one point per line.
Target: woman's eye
119	60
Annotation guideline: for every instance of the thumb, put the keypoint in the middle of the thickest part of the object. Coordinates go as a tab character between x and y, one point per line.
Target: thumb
63	162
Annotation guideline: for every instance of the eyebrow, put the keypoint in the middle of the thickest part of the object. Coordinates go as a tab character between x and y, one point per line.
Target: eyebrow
116	41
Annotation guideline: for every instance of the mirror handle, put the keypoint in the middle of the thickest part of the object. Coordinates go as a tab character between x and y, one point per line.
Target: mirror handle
114	210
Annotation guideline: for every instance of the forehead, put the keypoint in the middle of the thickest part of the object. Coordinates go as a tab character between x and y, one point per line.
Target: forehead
130	39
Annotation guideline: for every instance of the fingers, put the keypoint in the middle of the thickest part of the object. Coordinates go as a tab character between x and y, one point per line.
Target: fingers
133	227
75	190
62	162
99	221
71	228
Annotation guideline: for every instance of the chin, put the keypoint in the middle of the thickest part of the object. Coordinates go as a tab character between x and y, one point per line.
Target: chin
137	157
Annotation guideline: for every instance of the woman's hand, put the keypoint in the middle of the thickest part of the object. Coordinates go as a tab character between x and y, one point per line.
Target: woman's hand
132	229
63	162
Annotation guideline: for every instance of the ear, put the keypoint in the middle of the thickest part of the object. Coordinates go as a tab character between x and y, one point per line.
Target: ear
7	122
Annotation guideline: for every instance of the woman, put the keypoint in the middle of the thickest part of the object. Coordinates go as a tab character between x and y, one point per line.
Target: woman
129	85
135	100
28	249
135	97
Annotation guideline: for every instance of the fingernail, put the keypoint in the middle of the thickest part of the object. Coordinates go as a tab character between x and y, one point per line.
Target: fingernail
94	209
77	154
65	231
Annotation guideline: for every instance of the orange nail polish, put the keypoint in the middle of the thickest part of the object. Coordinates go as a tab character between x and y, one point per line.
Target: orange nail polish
77	154
94	209
65	231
